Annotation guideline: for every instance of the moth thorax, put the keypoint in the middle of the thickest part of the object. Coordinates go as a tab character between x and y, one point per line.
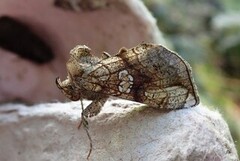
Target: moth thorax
74	69
80	51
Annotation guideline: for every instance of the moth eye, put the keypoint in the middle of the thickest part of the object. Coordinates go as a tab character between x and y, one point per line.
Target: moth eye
78	79
71	92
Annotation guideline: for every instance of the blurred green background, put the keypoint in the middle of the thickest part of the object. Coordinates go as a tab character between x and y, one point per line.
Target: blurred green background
207	34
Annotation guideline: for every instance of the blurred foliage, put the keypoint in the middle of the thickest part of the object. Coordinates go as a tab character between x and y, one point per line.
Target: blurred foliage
207	34
231	5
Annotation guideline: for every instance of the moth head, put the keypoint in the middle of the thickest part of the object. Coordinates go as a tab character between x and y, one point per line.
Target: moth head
68	89
80	60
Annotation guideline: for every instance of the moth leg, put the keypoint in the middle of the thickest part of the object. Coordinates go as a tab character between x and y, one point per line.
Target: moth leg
105	55
91	110
95	107
85	125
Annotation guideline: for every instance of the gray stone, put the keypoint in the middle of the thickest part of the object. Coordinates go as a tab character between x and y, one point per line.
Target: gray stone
123	130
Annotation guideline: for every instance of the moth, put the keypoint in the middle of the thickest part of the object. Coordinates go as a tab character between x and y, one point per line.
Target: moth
148	73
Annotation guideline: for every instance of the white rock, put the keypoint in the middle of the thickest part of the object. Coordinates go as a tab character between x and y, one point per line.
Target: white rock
123	130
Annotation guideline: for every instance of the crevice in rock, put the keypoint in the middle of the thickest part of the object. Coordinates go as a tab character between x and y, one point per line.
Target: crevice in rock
19	39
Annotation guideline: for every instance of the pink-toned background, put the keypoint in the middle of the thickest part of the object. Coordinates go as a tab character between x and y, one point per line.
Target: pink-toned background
105	29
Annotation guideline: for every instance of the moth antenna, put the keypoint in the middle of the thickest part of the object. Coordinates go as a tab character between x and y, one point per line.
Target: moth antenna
90	143
85	126
82	115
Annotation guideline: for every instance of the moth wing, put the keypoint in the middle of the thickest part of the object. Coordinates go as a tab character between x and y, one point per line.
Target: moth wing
149	74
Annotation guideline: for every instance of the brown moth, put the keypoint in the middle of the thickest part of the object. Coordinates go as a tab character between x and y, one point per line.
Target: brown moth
148	73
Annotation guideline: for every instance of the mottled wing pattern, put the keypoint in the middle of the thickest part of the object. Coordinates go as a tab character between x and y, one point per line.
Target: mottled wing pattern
171	84
147	73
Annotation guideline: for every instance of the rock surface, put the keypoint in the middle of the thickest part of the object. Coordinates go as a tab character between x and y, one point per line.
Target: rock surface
123	130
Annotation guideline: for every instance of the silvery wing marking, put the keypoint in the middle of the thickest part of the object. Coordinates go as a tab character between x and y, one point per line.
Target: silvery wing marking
147	73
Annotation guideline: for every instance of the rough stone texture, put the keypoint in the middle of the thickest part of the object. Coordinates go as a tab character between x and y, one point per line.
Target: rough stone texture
123	130
108	28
